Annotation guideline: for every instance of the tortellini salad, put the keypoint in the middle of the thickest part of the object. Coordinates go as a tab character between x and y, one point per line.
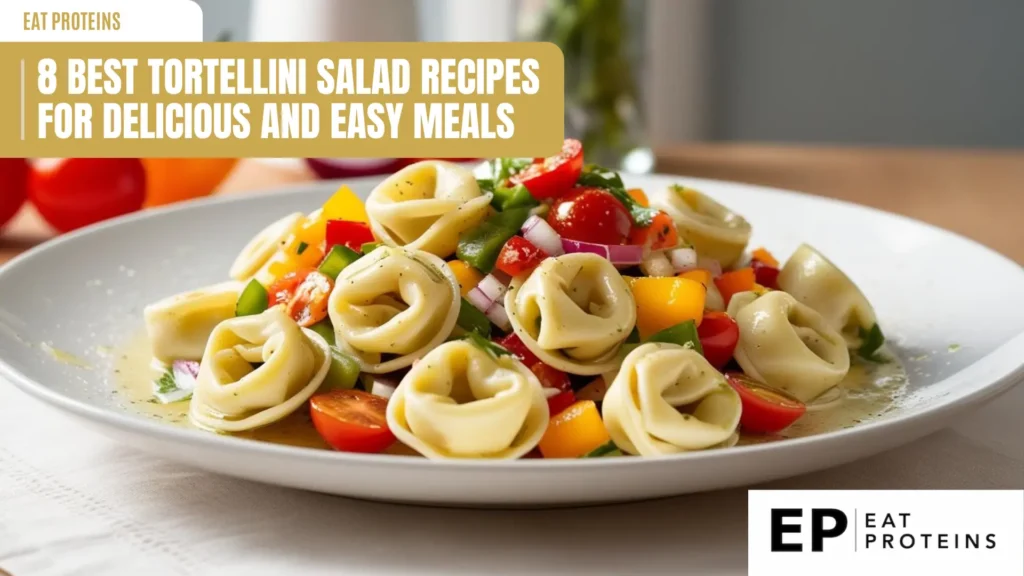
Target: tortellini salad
544	312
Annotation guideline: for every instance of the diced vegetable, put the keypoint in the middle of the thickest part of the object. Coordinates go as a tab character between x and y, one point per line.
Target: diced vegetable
542	235
683	259
499	317
473	320
639	196
551	377
309	303
559	402
575	431
657	264
765	410
467	276
352	420
702	276
765	257
609	449
683	334
281	292
624	255
487	293
343	373
383	388
480	246
506	198
515	346
661	234
325	330
590	215
664	302
765	274
345	205
595	390
718	337
337	260
598	177
711	265
552	176
519	256
348	233
177	383
734	282
369	247
252	300
871	341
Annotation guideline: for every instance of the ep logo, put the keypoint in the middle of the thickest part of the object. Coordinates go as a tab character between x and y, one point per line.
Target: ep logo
824	523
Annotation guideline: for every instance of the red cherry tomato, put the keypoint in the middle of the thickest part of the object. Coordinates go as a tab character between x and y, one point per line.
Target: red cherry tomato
513	344
13	187
551	177
281	291
76	192
348	233
765	410
352	420
765	274
590	215
557	404
308	305
519	255
551	377
718	335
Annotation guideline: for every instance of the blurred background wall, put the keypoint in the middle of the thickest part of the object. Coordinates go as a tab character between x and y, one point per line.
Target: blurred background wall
877	72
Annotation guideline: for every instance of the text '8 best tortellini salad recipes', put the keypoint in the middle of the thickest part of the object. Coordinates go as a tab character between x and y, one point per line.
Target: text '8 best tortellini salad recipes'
545	312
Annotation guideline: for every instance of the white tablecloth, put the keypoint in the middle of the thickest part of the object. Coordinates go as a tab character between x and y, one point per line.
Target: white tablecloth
74	502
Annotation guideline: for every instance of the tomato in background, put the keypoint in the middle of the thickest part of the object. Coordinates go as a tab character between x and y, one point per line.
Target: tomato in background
590	215
74	192
352	420
171	180
718	335
554	176
13	187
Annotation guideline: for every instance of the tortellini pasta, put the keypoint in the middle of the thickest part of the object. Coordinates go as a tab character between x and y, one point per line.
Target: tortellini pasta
426	206
815	281
396	302
462	402
257	370
788	346
179	326
642	408
264	245
713	230
574	312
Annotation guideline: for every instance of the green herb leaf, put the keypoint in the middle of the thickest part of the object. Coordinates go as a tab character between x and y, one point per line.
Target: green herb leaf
302	248
683	334
503	168
595	176
871	340
166	383
473	320
493	348
609	449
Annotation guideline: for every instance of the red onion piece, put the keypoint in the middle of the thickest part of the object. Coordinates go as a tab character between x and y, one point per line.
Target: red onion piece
492	287
629	254
384	389
657	265
683	259
576	247
711	265
327	168
496	314
479	299
185	373
543	236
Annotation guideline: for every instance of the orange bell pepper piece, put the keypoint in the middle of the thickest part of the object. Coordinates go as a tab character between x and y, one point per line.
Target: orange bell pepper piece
664	302
734	282
573	432
765	257
661	234
639	196
702	276
467	276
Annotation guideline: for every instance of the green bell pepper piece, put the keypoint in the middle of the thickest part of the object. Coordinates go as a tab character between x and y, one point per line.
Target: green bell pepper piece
253	300
369	247
343	373
608	449
325	329
337	259
480	246
508	198
473	320
683	334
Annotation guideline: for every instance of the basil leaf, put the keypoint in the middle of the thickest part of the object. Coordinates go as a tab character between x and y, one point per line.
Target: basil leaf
871	340
492	348
595	176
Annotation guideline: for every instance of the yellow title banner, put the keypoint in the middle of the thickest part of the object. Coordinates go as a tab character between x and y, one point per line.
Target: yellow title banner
309	99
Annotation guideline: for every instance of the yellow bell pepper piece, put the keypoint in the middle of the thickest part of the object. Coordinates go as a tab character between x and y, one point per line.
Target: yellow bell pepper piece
664	302
345	205
702	276
467	276
573	432
759	290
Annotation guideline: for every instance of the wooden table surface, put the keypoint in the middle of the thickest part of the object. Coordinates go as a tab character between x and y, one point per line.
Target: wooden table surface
979	194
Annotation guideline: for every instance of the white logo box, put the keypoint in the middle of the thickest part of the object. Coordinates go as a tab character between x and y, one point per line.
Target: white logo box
927	533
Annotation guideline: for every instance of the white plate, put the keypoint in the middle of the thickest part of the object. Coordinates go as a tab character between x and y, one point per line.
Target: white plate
930	288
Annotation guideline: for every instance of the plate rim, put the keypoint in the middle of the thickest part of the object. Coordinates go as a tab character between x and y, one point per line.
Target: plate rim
1002	358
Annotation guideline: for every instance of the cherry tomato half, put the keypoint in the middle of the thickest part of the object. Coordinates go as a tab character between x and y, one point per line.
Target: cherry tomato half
513	344
352	420
13	187
308	305
551	377
551	177
590	215
765	410
281	291
718	335
75	192
519	255
557	404
765	274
